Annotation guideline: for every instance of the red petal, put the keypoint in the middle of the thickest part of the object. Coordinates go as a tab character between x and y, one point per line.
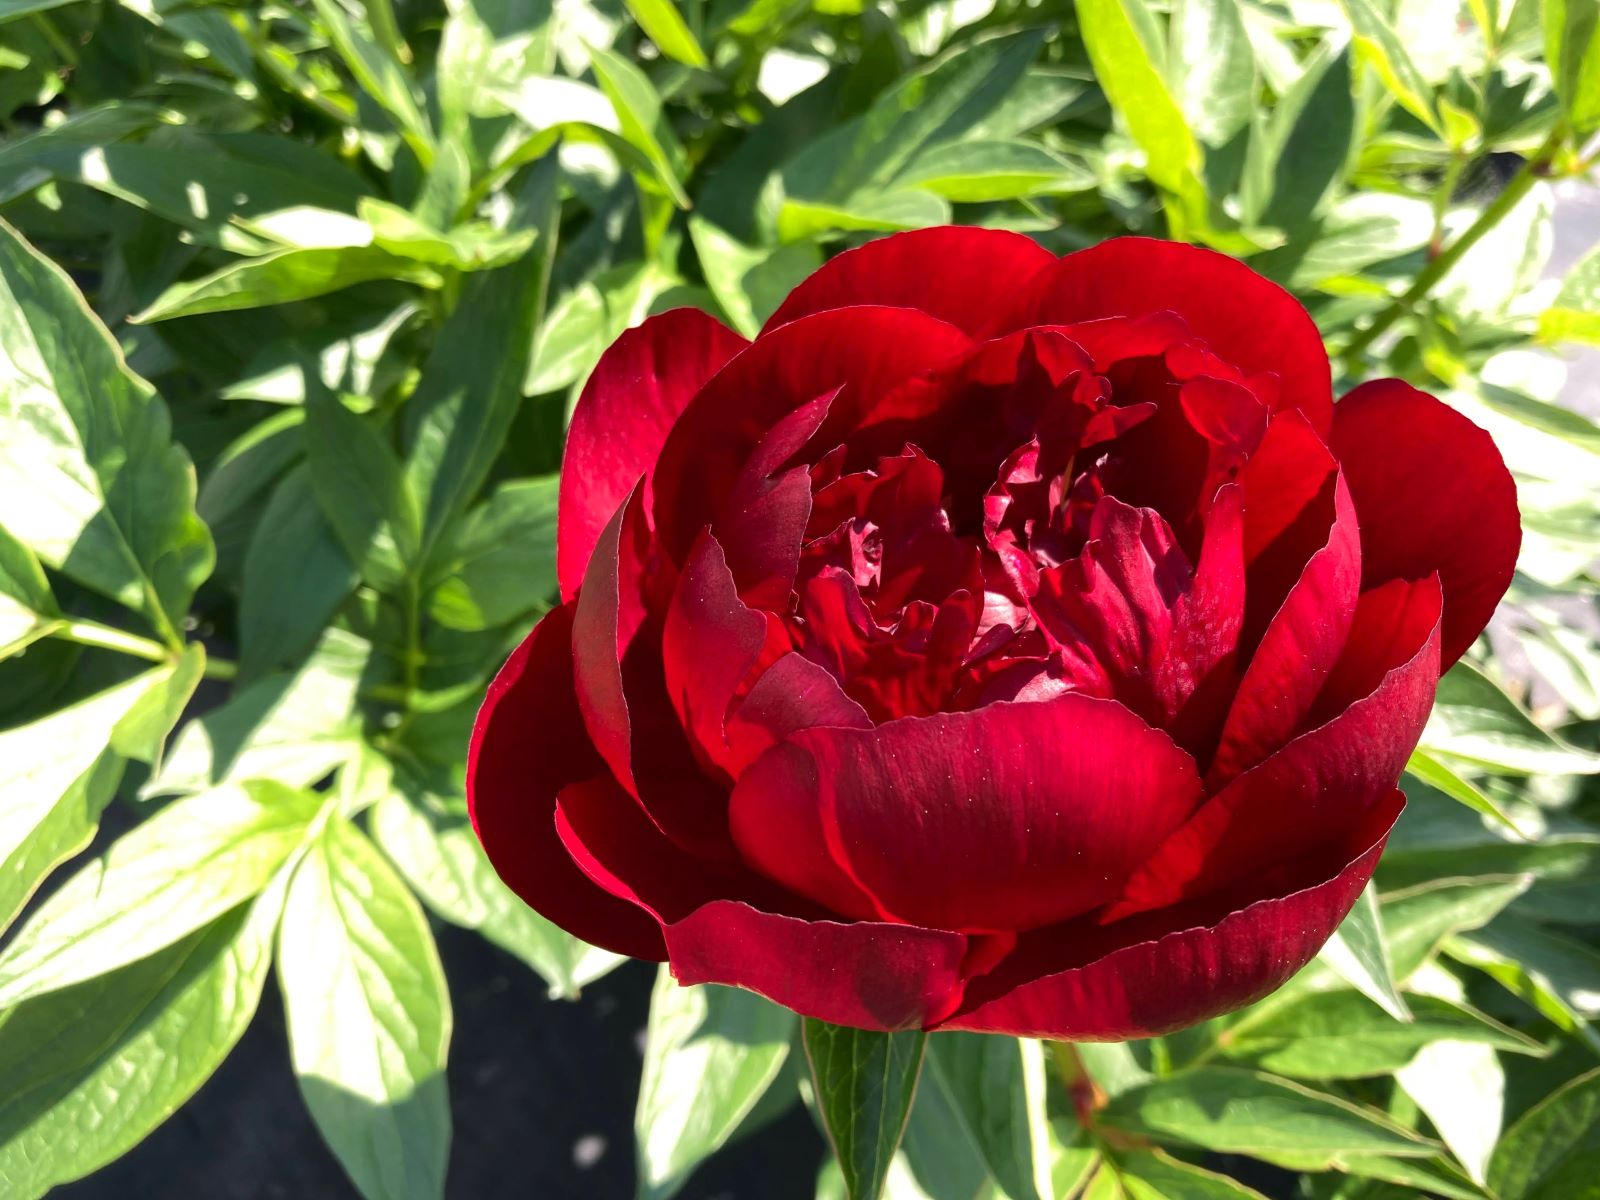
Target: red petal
1249	321
960	274
1179	979
863	351
792	694
528	743
864	974
1300	646
1004	818
1432	494
1314	788
633	396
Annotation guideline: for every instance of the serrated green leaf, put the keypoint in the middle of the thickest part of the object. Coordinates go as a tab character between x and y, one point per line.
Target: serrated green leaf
664	26
471	385
1359	953
996	1086
1244	1112
1553	1151
444	863
174	873
1342	1035
91	1070
110	496
282	277
500	563
1475	722
864	1084
369	1020
710	1054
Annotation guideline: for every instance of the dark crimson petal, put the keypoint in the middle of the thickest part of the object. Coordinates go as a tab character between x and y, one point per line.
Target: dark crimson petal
961	274
709	645
790	695
528	743
869	975
1432	494
1312	789
778	826
622	691
1003	818
1244	318
633	396
861	352
1300	646
1175	979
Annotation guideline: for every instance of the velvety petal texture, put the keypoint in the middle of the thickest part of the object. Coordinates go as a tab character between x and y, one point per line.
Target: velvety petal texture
998	642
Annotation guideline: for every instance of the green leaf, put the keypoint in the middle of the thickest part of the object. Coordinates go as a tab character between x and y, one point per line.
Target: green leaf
364	494
296	575
350	358
1572	48
1297	157
938	1153
1566	968
1553	1151
500	563
1441	776
1475	722
174	873
710	1054
1575	314
26	604
1377	43
641	119
282	277
471	386
1360	955
864	1083
379	73
56	775
978	172
749	282
110	496
1342	1035
1233	1111
1156	1175
1214	68
1460	1087
10	10
444	863
665	27
1418	919
293	728
473	246
996	1086
368	1013
91	1070
1126	68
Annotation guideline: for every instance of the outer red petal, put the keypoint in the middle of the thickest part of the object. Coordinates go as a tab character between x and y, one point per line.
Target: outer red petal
864	351
960	274
869	975
633	396
1432	494
1249	321
529	742
1172	981
1319	784
1007	817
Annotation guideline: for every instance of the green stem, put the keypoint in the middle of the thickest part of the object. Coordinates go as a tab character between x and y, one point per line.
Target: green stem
1510	196
107	637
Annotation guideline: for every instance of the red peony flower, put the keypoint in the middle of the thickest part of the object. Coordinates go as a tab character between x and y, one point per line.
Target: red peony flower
998	642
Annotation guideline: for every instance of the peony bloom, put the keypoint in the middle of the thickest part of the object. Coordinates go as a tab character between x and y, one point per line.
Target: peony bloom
998	642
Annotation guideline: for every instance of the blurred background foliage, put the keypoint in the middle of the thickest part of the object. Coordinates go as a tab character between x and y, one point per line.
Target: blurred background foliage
347	265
